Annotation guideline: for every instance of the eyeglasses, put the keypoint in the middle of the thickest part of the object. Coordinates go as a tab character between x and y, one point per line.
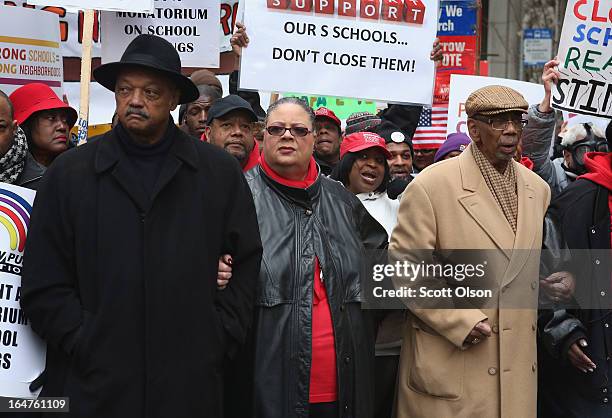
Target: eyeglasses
297	131
502	124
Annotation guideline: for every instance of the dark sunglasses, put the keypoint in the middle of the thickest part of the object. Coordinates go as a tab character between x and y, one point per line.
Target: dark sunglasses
296	131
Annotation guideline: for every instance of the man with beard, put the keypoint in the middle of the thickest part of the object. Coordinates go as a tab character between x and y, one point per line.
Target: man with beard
230	126
328	135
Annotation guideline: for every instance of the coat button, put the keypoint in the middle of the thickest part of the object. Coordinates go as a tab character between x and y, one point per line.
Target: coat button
346	407
597	262
492	371
602	293
495	329
308	212
534	285
534	367
342	308
592	231
533	327
605	390
347	360
607	325
606	400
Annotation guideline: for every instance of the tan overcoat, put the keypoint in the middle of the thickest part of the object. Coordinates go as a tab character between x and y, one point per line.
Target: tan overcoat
449	206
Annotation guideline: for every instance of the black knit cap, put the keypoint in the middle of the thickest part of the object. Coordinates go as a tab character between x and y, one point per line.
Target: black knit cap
392	134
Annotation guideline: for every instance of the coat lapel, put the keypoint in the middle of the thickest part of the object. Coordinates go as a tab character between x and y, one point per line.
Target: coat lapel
479	203
526	227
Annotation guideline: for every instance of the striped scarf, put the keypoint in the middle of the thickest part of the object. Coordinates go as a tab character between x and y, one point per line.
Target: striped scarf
13	162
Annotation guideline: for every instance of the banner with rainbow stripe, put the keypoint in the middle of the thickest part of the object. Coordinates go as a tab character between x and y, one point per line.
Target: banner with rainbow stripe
22	353
30	49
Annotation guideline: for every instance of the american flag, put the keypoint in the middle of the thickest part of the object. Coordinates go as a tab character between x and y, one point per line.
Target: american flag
431	130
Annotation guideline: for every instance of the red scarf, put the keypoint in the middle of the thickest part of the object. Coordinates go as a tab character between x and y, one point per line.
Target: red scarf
311	175
599	168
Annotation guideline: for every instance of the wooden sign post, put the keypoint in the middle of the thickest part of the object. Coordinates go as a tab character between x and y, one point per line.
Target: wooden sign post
83	123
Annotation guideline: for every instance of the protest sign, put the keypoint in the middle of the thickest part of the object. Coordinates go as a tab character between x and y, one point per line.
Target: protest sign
342	107
586	62
190	25
461	86
29	52
457	33
230	13
117	5
370	49
71	27
22	353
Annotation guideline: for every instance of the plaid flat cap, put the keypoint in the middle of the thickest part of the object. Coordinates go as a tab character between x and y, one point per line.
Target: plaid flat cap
493	100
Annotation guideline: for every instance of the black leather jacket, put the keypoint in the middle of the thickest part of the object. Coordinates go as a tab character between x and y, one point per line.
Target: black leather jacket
328	222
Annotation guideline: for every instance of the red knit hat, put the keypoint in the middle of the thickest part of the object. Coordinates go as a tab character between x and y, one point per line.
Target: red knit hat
363	140
35	97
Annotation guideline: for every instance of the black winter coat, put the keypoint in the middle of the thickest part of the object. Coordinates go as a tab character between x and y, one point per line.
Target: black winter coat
32	173
583	217
328	222
122	286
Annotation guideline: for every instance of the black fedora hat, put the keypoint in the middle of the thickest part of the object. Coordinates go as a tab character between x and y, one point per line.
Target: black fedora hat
151	52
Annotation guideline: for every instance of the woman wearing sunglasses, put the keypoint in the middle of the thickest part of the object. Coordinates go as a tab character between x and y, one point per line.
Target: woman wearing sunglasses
313	345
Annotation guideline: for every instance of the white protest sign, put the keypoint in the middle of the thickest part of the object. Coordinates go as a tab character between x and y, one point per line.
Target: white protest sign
192	26
461	86
366	49
231	11
22	353
586	59
117	5
29	52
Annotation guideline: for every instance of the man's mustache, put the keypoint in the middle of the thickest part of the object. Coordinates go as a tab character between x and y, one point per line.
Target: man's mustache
138	112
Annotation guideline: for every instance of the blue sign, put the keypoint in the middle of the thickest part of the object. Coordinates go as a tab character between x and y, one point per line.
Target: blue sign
537	46
537	34
457	18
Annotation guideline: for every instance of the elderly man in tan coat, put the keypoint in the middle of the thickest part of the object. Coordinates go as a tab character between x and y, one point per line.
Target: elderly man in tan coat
476	362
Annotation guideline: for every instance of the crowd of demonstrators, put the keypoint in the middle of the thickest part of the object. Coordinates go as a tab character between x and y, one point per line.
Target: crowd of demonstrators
119	274
230	126
45	119
274	236
475	362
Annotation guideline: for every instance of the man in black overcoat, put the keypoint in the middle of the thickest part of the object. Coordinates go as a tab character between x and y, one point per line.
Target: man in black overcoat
121	262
